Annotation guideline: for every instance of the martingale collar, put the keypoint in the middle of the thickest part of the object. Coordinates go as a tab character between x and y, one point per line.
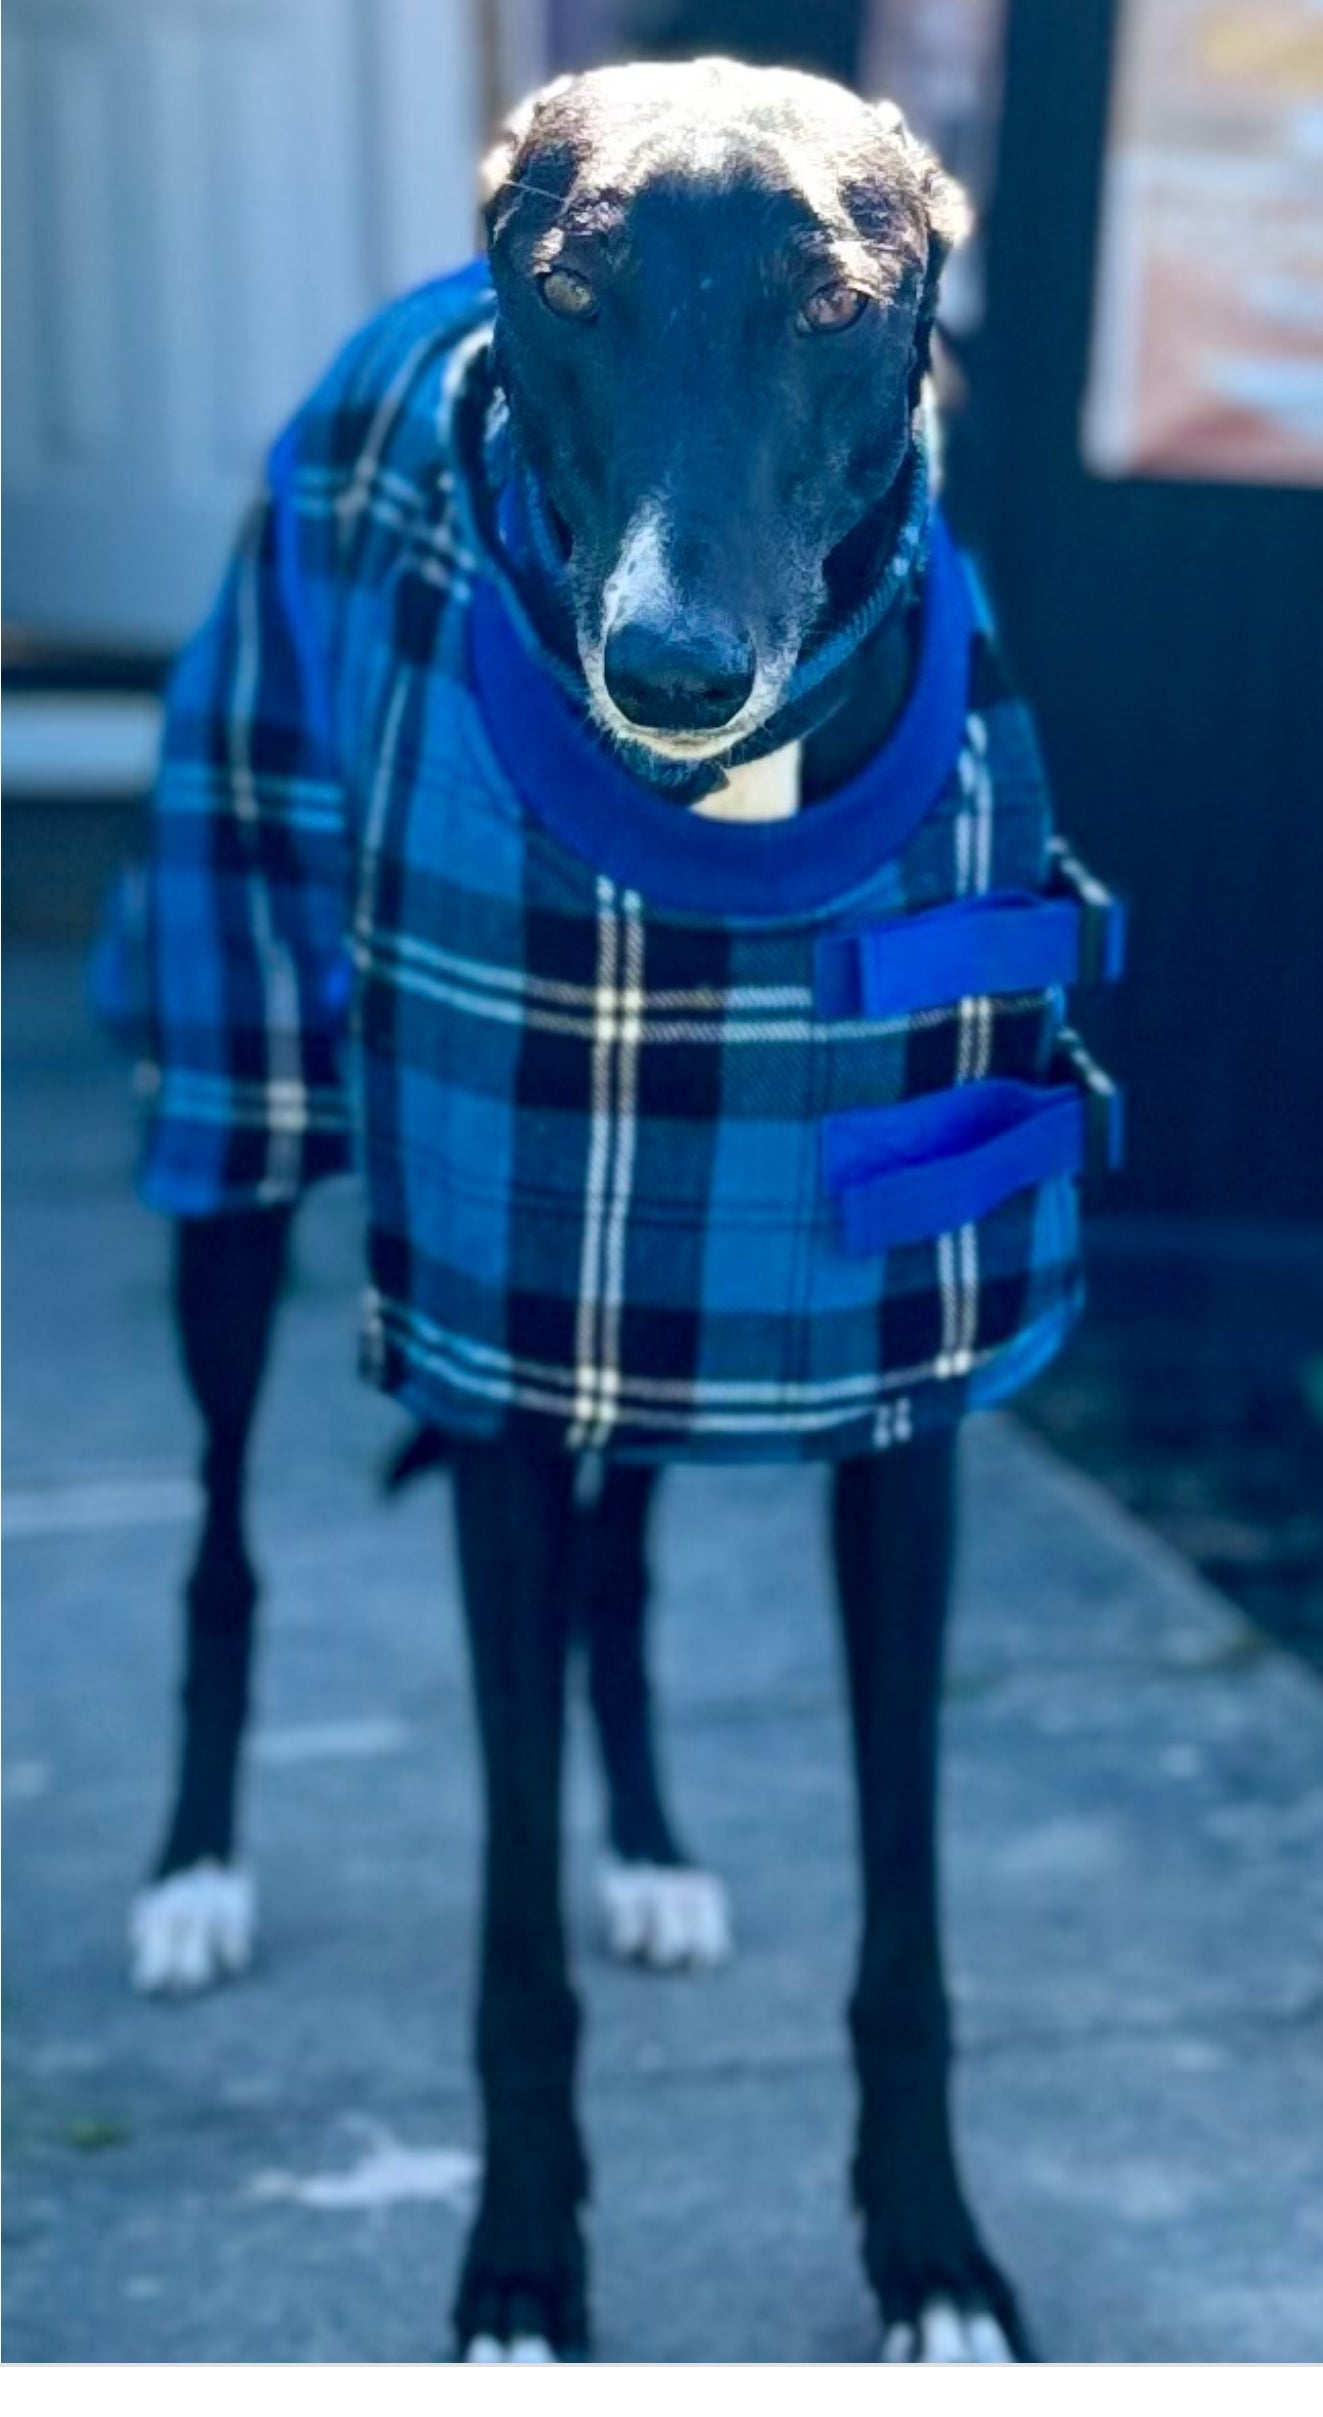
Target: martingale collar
510	530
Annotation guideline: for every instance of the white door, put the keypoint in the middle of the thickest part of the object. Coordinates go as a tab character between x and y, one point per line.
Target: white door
201	199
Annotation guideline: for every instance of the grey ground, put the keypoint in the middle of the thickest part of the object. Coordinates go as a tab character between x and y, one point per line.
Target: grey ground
1135	1814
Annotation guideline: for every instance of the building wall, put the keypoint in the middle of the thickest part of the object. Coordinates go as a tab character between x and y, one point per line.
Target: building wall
1171	636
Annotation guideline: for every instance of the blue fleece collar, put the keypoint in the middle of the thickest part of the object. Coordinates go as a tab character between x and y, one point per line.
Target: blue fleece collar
575	784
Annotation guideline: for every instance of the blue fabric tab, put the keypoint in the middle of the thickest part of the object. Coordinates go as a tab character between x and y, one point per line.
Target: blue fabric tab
989	946
907	1173
1002	942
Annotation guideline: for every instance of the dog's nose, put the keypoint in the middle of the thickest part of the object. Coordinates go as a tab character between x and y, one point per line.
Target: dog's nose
687	678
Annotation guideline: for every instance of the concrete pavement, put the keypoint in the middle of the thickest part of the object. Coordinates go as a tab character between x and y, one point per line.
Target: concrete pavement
1135	1819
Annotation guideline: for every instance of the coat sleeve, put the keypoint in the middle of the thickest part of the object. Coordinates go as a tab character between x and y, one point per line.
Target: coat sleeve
244	913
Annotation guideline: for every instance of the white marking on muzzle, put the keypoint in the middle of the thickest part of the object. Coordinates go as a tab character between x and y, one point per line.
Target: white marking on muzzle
642	586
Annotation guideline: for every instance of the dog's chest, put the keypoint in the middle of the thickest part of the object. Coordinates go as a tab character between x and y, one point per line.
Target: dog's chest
767	790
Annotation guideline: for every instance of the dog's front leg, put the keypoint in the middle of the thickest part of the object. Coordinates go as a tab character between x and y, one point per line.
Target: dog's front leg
893	1533
194	1923
658	1907
523	2290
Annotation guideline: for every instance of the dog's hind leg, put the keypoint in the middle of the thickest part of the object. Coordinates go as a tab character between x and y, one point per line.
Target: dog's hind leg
194	1923
658	1907
523	2289
940	2293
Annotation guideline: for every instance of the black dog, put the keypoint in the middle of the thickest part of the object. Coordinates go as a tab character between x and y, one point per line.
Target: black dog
687	632
715	292
195	1922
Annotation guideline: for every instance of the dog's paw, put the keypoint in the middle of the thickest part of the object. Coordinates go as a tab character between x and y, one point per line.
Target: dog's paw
950	2307
522	2350
523	2302
669	1918
942	2335
192	1930
942	2297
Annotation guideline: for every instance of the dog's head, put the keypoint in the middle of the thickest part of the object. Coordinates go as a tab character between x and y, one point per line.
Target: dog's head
715	290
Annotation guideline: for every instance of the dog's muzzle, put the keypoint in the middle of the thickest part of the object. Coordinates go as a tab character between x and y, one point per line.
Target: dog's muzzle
678	679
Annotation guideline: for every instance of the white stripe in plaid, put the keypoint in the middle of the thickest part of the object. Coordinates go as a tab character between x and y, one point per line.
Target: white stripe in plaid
678	1405
616	1036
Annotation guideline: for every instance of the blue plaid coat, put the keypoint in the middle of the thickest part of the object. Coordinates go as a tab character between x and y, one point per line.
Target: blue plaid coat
679	1137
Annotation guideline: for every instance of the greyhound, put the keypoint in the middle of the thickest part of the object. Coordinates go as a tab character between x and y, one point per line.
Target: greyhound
714	296
628	188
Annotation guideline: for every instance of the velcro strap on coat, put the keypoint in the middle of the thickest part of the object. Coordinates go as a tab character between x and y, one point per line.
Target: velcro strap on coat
993	945
929	1165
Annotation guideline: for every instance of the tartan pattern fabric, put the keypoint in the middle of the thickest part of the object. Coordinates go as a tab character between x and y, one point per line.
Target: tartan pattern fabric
590	1126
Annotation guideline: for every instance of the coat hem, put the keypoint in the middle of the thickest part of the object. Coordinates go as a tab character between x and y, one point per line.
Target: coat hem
886	1422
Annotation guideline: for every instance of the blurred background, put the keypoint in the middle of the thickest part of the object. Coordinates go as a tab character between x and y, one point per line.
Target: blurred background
201	197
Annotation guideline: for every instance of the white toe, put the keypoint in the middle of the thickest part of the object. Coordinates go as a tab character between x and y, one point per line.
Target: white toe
147	1943
190	1952
942	2336
667	1944
233	1923
151	1942
530	2350
898	2344
710	1931
988	2345
668	1919
621	1905
190	1930
485	2351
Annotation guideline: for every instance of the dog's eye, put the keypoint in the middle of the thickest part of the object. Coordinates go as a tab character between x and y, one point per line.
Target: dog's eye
567	294
833	306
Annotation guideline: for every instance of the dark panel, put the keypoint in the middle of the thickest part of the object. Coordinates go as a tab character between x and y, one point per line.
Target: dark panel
1171	637
780	33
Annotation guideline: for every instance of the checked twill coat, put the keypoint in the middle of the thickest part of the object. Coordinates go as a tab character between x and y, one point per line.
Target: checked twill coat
679	1137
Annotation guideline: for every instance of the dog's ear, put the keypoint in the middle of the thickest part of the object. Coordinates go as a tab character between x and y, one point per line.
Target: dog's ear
950	214
946	204
497	176
948	218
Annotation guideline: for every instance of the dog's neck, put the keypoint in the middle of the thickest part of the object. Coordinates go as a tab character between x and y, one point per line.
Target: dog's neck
850	691
773	787
844	714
